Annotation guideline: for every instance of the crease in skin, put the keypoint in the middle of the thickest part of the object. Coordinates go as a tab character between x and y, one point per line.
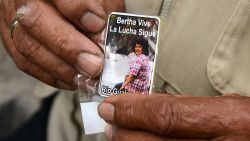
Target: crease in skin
170	117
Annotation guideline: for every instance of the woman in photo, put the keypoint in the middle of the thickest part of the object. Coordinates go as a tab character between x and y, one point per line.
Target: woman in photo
137	78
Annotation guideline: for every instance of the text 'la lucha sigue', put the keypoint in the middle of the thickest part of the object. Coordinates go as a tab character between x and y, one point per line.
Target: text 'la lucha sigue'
130	30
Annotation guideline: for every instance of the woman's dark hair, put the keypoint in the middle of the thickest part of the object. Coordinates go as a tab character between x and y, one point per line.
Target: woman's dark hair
144	43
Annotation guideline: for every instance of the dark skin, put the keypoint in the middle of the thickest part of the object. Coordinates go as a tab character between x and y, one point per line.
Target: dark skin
161	117
49	44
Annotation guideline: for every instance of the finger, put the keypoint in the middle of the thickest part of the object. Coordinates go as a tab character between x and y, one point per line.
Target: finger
34	51
7	11
46	25
195	117
97	38
233	138
89	14
113	6
26	66
120	134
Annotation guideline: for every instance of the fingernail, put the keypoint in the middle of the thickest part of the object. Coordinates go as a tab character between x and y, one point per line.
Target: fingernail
89	64
106	111
92	22
82	72
109	132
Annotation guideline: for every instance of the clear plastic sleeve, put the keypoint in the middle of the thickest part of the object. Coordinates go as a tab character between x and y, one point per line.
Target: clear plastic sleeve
130	44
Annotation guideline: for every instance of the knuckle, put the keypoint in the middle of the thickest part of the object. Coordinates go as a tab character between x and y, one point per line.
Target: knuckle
21	40
74	10
114	5
32	50
167	117
62	45
28	47
57	68
30	15
163	118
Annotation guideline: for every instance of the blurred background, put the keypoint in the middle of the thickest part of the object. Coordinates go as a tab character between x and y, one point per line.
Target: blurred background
20	108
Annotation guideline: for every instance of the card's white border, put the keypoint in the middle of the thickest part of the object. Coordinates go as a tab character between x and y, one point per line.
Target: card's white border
156	50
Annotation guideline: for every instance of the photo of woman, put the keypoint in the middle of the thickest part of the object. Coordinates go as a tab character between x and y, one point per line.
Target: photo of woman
137	78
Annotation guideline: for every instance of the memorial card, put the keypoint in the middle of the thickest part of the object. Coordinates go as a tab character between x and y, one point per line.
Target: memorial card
130	49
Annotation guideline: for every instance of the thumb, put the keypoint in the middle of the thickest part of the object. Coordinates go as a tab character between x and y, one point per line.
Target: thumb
195	117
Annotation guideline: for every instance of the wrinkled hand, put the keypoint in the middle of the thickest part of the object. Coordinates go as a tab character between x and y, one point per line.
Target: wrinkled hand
161	117
48	42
